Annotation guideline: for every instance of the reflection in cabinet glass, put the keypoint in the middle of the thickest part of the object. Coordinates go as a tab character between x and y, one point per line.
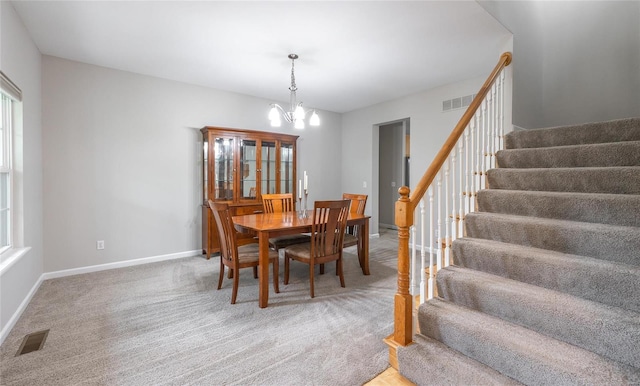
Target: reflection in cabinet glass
238	167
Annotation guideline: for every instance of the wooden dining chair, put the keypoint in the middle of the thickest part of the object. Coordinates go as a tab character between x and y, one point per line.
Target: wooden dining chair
358	204
236	257
327	236
277	203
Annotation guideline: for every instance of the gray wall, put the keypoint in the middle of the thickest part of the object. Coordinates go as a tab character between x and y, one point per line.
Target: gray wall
123	161
574	61
21	61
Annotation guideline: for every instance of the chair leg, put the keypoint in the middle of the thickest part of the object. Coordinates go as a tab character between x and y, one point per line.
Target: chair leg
276	273
221	276
230	274
321	269
234	293
255	272
339	269
286	269
311	274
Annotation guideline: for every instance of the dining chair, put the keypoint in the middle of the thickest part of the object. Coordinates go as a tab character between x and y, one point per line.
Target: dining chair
358	203
277	203
327	236
235	256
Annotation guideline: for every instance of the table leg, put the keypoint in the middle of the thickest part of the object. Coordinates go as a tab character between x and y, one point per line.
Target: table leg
363	247
263	273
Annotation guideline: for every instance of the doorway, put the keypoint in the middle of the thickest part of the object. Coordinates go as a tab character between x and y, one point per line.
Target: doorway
394	163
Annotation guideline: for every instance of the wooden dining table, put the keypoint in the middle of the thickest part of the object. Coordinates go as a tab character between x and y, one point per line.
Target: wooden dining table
268	225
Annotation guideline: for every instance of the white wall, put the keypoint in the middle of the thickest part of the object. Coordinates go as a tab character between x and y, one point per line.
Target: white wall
429	129
574	61
20	60
122	161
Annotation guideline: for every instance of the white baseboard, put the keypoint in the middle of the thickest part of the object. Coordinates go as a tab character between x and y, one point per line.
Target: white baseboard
16	315
120	264
76	271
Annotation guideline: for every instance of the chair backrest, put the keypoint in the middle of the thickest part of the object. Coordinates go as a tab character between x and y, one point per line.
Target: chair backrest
358	202
276	203
226	231
327	230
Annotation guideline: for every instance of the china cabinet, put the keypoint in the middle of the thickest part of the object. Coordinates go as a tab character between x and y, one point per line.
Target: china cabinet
238	167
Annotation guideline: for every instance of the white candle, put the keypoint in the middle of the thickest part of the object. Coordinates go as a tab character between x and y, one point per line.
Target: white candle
299	188
306	182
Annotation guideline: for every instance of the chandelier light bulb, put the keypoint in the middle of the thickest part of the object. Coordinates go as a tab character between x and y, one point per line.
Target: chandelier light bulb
296	113
315	119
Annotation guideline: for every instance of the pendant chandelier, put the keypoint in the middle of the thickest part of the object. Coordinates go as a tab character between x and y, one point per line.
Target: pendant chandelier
296	113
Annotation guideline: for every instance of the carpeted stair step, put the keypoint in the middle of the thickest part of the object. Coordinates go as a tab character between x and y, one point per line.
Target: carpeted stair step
590	155
618	180
598	280
519	353
429	362
605	330
612	209
598	132
608	242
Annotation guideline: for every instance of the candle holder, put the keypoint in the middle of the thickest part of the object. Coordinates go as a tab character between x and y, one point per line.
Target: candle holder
304	208
300	210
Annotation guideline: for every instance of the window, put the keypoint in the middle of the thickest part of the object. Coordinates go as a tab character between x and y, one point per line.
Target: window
5	173
10	97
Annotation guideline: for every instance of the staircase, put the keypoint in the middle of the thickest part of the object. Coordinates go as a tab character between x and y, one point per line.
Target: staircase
545	286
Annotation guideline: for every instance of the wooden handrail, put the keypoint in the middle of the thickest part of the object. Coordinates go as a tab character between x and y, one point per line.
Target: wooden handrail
441	157
405	207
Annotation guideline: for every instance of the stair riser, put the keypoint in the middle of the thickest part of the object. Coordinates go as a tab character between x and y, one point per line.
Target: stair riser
429	362
524	355
612	209
623	180
607	331
601	281
602	155
613	243
599	132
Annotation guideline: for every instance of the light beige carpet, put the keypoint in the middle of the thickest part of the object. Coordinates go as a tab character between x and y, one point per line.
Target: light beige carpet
166	324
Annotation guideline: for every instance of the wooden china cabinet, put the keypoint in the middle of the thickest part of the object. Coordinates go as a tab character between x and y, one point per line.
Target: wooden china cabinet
238	167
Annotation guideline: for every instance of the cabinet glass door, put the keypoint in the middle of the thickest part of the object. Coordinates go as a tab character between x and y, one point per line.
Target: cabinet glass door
248	172
287	179
268	168
223	168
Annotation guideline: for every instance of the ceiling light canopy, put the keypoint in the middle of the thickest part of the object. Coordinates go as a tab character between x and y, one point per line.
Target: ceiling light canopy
296	113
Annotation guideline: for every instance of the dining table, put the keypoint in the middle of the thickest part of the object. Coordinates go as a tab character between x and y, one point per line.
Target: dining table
268	225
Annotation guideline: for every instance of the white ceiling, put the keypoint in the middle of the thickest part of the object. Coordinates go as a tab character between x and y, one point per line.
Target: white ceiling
352	53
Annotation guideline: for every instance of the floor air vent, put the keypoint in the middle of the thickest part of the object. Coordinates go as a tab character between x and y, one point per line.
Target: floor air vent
33	342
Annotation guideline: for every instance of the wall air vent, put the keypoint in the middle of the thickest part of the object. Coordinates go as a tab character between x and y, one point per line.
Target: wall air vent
457	103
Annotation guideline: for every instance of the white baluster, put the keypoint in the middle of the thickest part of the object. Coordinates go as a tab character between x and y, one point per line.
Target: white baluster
413	266
454	199
485	145
476	156
468	166
502	109
431	254
439	241
460	218
423	272
496	131
447	220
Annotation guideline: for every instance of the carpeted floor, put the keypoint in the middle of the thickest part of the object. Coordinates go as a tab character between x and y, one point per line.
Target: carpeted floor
165	323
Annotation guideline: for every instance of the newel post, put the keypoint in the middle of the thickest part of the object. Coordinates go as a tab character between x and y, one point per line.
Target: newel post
403	301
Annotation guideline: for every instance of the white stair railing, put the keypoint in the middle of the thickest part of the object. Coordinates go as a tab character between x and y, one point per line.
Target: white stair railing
450	183
454	191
